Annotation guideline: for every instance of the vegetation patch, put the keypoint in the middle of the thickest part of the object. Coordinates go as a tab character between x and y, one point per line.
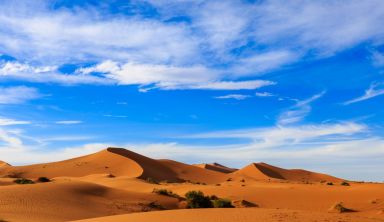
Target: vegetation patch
196	199
340	208
151	180
222	203
166	192
345	183
43	180
23	181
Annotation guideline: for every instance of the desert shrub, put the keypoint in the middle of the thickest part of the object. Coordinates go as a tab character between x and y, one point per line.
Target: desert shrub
222	203
213	197
165	192
43	179
345	183
330	183
23	181
145	207
218	184
229	179
151	180
339	207
196	199
242	180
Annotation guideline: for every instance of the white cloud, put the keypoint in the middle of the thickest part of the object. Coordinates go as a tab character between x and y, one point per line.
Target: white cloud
45	74
169	77
264	94
18	94
10	122
68	122
233	96
299	111
378	58
373	91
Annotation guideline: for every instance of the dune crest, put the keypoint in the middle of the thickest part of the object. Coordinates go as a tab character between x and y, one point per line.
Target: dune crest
264	171
216	167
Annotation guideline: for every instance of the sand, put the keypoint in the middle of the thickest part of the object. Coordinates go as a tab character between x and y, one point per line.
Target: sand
113	182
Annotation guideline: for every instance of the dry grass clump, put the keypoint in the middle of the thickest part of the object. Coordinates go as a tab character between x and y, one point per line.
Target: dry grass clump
340	208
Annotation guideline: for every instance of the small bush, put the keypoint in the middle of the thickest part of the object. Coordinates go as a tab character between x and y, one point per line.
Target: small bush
329	183
229	179
165	192
339	207
23	181
345	183
43	179
196	199
222	203
151	180
242	180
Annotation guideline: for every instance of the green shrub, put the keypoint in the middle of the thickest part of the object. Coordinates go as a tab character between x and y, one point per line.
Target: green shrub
196	199
151	180
222	203
43	179
345	183
330	183
23	181
165	192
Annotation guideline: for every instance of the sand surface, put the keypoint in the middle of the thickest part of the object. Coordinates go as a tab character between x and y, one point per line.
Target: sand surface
114	182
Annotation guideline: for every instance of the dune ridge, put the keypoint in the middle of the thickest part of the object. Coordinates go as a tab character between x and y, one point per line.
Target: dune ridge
264	171
216	167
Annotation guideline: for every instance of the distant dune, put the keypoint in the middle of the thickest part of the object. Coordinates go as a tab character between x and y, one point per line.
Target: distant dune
216	167
263	171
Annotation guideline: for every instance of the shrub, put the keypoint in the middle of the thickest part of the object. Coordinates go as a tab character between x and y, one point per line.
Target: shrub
151	180
339	207
222	203
165	192
196	199
23	181
330	183
345	183
43	179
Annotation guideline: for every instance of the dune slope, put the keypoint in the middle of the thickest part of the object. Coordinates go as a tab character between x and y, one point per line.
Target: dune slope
263	171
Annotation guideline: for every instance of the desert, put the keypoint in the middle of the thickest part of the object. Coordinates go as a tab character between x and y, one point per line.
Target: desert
116	184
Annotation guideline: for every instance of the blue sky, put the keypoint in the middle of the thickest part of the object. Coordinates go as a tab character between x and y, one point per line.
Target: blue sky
298	84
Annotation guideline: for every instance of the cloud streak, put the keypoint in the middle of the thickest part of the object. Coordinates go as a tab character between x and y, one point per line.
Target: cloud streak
374	90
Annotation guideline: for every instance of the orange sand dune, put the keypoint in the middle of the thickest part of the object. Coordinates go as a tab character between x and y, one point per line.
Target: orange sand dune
232	215
4	164
71	200
216	167
117	162
263	171
194	173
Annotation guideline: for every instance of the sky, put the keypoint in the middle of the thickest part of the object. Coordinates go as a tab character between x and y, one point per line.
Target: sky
297	84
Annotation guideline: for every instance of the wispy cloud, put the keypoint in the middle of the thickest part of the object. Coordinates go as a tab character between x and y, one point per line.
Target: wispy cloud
299	111
264	94
375	89
233	96
69	122
10	122
18	94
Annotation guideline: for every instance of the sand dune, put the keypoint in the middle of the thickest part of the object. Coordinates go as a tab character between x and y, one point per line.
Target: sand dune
216	167
117	162
263	171
71	200
4	164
